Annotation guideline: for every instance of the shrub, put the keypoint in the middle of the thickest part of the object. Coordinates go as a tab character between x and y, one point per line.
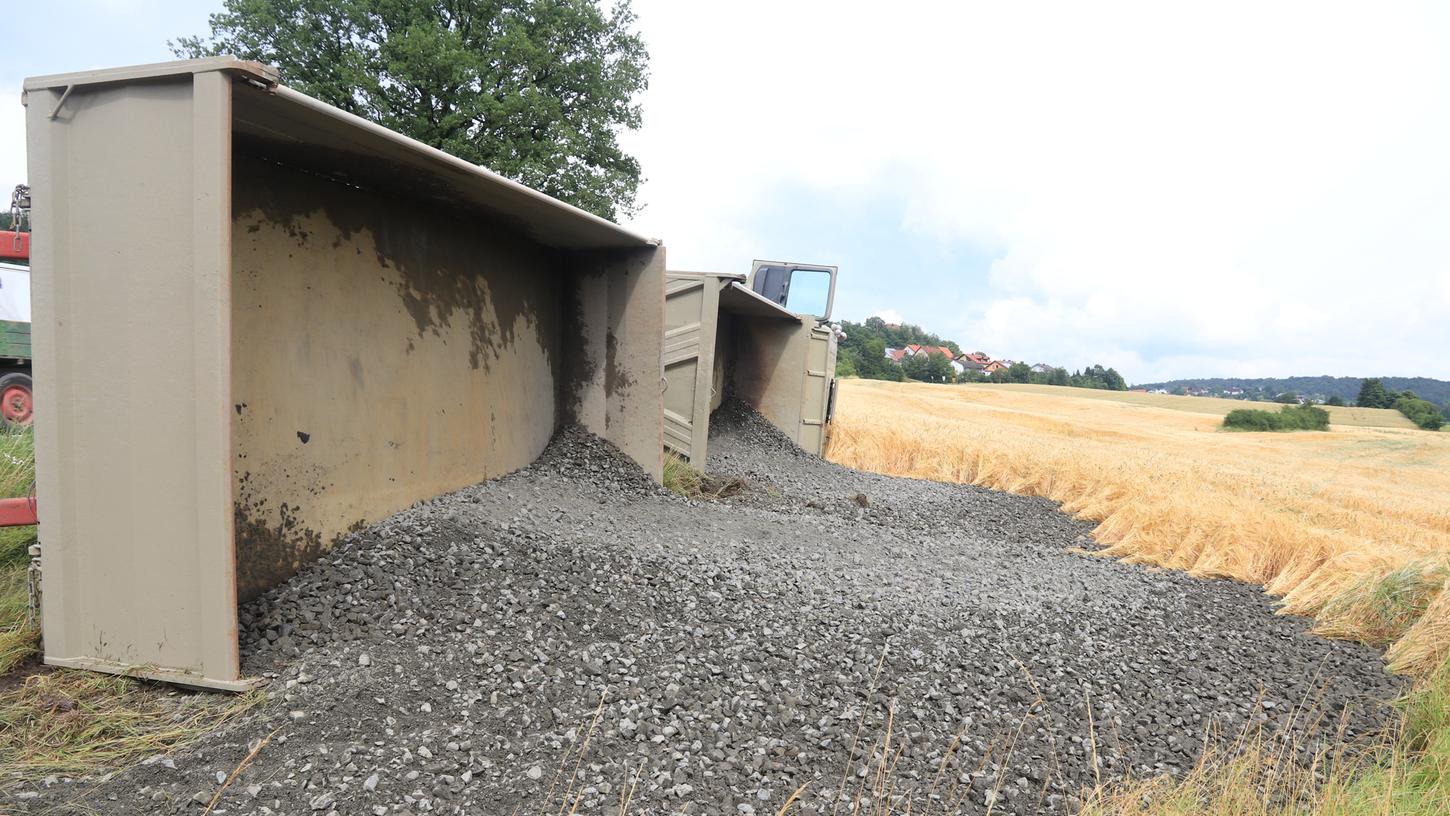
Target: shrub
1421	412
1291	418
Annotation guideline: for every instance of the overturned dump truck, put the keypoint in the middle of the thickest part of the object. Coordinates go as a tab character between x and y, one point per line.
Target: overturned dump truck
764	337
261	322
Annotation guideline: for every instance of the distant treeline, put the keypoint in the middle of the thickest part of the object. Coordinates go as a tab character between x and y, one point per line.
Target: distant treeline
863	354
1321	388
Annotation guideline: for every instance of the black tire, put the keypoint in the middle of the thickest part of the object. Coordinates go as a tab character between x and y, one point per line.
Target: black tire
17	399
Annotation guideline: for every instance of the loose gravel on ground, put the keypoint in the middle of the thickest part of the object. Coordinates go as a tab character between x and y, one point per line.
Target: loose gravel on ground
453	658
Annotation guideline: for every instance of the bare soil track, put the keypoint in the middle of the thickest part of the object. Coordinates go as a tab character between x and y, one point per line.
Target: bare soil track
453	658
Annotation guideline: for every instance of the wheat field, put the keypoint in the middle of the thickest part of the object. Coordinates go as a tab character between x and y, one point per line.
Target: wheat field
1350	526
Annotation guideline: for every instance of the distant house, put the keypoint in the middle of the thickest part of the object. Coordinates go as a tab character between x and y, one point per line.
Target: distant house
913	349
969	364
896	355
959	367
996	365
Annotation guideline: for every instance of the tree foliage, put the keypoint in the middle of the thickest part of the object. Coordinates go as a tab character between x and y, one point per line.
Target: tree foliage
1421	412
1095	376
1373	394
930	367
1289	418
1315	388
537	90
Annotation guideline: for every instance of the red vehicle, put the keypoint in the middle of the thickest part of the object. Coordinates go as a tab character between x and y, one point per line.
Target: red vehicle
16	395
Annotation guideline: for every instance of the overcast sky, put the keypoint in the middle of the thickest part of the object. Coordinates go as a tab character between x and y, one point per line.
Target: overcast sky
1255	189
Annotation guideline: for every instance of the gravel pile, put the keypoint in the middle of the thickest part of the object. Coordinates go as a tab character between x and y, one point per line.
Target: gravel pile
453	658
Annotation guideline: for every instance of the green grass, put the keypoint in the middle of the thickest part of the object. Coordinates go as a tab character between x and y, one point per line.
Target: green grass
17	478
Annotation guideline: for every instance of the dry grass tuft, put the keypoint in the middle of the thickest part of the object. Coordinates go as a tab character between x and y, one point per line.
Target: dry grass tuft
1405	773
683	479
1351	527
72	722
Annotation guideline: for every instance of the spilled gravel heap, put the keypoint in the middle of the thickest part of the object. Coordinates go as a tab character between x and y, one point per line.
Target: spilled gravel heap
453	658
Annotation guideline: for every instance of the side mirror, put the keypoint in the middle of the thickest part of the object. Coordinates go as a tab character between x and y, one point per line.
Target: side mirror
804	289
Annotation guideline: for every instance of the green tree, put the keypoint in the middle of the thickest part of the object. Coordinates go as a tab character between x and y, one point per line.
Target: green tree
1019	372
846	363
537	90
1287	398
939	367
1113	381
915	367
1335	400
1421	412
1372	394
931	367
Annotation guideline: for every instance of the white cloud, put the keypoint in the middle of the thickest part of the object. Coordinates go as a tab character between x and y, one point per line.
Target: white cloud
1213	189
1232	187
889	315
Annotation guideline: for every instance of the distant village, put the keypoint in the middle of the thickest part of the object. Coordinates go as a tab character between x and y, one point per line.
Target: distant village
961	362
879	350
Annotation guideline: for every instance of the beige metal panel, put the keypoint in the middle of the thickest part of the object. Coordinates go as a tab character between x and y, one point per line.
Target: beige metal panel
613	343
634	358
816	388
739	300
771	368
363	153
381	355
692	311
302	131
582	397
724	362
130	359
237	376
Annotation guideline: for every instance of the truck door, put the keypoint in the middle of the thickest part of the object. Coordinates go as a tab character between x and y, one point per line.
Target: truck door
692	308
806	289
